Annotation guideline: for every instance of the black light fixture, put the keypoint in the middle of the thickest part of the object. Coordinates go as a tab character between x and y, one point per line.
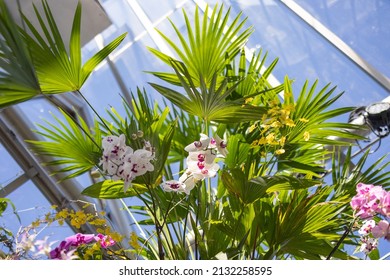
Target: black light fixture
378	118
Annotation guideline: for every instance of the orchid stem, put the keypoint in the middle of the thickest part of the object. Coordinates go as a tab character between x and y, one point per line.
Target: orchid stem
93	109
76	122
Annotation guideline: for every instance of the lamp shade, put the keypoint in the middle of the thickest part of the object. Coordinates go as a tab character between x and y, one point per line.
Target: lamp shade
378	115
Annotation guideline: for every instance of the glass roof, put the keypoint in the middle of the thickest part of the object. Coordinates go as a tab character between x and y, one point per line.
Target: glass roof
303	53
362	25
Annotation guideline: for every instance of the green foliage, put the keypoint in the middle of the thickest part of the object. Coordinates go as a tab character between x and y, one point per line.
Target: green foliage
34	64
346	175
18	81
109	189
272	198
66	72
75	146
209	102
210	43
252	78
142	116
4	203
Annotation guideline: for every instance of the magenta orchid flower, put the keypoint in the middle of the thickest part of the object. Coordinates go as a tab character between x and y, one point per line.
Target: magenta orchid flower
105	240
79	238
367	227
382	229
176	186
368	200
200	145
67	247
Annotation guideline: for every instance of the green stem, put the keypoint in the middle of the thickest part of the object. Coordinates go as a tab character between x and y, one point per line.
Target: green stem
196	222
254	243
185	222
93	109
157	226
133	218
74	120
207	131
270	254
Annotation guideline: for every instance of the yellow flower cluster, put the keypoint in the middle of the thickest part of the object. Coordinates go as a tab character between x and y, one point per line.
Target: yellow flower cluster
133	242
80	218
273	127
271	124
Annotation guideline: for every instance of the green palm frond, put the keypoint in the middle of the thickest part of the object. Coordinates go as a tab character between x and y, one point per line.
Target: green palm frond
110	189
32	63
74	147
208	46
18	81
252	78
209	102
306	225
251	190
58	69
314	108
346	174
310	139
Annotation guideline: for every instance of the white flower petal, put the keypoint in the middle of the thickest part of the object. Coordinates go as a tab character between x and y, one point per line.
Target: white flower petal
202	144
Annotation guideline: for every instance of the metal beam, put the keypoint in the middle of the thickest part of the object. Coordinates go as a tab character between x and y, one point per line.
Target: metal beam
17	182
15	128
332	38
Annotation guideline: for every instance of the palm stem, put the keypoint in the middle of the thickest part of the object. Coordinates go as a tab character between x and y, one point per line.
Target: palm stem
93	109
74	120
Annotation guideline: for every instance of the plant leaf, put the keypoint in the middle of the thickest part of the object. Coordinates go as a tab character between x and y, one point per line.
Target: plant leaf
209	103
18	81
207	47
110	189
74	147
58	69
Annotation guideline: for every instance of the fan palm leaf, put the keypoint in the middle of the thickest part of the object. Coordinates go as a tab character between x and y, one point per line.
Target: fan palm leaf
209	102
345	176
252	78
312	135
305	225
210	43
58	69
18	81
33	64
74	147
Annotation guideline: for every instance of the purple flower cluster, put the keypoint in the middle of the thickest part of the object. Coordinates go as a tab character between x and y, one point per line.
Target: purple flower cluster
372	201
67	247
